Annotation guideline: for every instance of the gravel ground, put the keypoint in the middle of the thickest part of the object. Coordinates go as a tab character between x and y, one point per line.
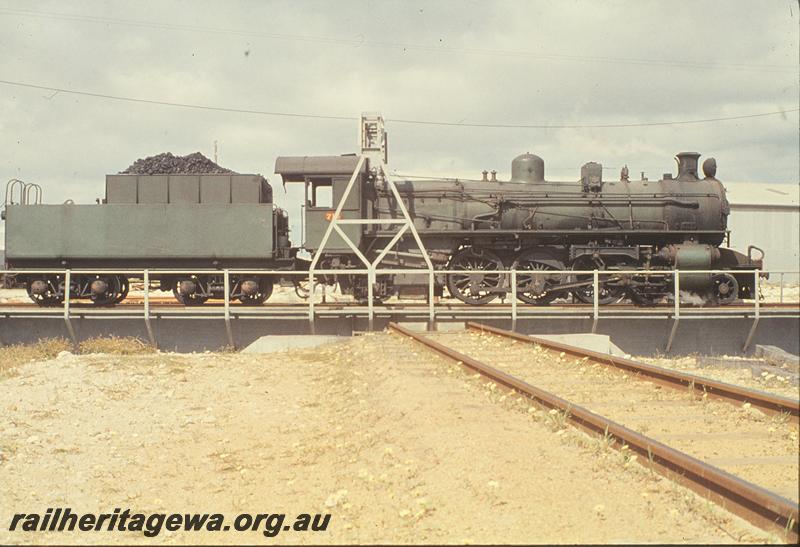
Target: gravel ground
398	445
731	374
709	430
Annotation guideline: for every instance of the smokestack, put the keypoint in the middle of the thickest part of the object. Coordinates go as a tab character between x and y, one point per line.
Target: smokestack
687	165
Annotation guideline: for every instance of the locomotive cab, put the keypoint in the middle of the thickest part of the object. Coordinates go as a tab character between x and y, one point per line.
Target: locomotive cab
325	180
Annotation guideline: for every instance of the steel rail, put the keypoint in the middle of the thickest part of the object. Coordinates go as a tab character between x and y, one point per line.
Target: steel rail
137	300
161	310
768	403
755	504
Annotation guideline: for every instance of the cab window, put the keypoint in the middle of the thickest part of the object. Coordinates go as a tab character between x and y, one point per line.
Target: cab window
321	194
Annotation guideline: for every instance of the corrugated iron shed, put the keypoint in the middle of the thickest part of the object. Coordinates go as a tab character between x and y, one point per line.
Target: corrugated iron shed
763	194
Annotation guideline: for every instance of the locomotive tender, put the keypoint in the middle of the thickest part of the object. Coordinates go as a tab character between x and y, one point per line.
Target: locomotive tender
476	228
177	222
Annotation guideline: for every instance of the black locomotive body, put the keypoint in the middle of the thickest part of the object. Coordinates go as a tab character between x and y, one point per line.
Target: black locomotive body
532	225
634	233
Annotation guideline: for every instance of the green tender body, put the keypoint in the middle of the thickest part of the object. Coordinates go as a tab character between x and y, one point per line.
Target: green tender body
139	231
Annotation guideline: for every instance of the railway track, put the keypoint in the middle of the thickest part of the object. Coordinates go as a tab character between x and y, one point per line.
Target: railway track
169	302
734	446
162	301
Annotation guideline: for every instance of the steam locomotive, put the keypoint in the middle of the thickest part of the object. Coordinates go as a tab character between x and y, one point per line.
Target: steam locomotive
180	225
534	226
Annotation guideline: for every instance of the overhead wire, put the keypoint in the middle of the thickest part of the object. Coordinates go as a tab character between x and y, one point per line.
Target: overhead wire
175	104
394	120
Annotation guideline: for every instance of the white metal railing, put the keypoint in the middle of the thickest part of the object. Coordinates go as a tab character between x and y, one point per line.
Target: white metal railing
372	272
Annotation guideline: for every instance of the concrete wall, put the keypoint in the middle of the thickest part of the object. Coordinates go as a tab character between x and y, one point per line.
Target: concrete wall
634	336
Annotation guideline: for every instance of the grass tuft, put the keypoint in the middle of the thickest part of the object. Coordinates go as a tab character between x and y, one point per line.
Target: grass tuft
558	419
19	354
605	442
117	345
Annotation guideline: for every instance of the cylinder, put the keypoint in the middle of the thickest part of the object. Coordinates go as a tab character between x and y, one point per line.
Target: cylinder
527	168
692	256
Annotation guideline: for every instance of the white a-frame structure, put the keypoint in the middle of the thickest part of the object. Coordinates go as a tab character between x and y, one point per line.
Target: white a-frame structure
373	144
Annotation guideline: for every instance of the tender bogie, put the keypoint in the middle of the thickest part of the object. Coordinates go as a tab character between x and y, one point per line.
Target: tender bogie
100	289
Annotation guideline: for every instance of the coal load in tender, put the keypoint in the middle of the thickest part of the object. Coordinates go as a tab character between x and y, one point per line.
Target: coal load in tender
191	164
169	164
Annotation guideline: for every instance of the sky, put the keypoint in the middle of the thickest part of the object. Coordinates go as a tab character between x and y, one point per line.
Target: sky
495	63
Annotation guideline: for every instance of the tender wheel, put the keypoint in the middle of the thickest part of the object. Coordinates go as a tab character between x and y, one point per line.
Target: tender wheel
585	294
479	287
725	289
537	288
108	290
44	292
186	291
254	291
124	285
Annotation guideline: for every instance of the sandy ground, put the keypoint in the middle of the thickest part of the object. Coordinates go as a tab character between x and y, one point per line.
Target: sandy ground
732	374
710	430
397	445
